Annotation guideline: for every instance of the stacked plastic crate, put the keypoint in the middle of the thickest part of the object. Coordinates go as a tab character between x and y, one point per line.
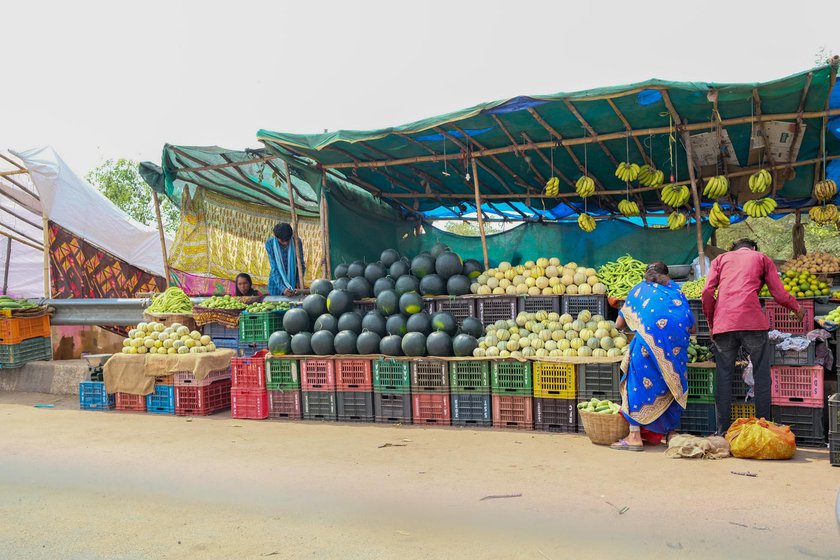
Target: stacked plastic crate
430	392
223	337
248	393
598	381
699	416
354	390
834	429
24	340
511	385
469	385
392	390
256	328
282	380
92	396
162	399
317	379
797	395
202	398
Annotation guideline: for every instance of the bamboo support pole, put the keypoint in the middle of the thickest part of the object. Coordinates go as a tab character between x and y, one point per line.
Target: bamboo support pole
831	81
479	216
698	215
45	224
798	126
12	172
325	227
296	231
232	164
156	200
767	151
6	271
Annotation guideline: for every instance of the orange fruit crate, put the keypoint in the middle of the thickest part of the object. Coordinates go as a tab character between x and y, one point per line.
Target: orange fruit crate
16	330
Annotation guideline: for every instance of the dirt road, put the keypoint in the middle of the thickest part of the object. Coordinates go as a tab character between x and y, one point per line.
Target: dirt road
88	485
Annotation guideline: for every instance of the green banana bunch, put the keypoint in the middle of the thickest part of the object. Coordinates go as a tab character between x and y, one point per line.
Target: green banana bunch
552	186
586	223
760	181
585	186
676	220
716	187
627	171
173	300
759	208
675	196
649	176
825	190
628	208
7	302
717	217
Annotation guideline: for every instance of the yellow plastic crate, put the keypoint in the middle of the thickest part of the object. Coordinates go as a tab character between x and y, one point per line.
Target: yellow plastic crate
742	410
554	381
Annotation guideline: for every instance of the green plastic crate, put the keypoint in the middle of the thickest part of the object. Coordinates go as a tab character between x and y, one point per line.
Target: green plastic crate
391	376
16	355
282	374
257	327
701	384
469	376
512	378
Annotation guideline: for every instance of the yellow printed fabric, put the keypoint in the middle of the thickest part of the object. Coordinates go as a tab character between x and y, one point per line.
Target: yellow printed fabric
752	438
221	237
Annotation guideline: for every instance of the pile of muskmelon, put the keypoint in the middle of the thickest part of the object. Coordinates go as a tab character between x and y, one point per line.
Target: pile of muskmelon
437	272
544	334
547	277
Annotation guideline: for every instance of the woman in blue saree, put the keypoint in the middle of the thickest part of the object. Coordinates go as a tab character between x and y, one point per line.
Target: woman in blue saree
654	387
281	257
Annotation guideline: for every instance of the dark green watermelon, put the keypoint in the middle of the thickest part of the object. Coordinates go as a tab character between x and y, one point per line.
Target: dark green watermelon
472	327
374	321
391	345
422	265
399	268
389	257
463	345
444	322
448	264
356	269
472	269
438	248
350	321
458	285
407	283
360	288
381	285
326	322
432	285
315	305
419	322
339	302
302	344
345	342
374	271
388	302
411	303
296	320
368	343
396	324
280	343
321	286
340	271
322	343
414	344
340	283
439	344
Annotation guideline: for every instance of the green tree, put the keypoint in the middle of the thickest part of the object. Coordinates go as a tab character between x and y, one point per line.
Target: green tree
120	181
467	228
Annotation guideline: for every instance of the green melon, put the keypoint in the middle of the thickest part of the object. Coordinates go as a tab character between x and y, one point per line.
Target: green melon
388	302
396	324
458	285
464	345
345	342
315	305
322	343
374	321
419	322
350	321
391	345
406	283
438	248
448	264
321	286
356	269
296	320
472	327
368	343
340	271
302	344
373	272
360	288
422	265
280	343
472	269
399	268
411	303
339	302
432	285
326	322
439	344
381	285
414	344
444	322
389	257
340	283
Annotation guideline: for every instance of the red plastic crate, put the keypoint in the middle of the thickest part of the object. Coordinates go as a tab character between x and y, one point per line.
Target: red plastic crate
165	380
202	401
317	375
187	379
780	318
431	408
353	375
284	404
797	386
249	372
513	412
249	403
130	403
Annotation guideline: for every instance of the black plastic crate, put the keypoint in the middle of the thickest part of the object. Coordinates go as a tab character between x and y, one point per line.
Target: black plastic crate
834	449
429	375
807	424
354	406
460	308
739	388
834	414
471	409
319	405
495	308
532	304
701	325
792	357
555	415
599	381
597	305
364	306
469	376
699	419
215	330
392	407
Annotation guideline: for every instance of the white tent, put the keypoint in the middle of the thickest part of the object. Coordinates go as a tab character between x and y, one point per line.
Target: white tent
21	235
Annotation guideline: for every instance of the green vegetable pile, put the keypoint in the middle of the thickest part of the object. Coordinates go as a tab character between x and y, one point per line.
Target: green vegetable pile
223	302
699	353
694	289
599	407
267	306
173	300
8	303
621	275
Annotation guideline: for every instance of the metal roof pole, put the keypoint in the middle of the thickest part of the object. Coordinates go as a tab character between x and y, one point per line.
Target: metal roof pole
296	232
162	238
479	216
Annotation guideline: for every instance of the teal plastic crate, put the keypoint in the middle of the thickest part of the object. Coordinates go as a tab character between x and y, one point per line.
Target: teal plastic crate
257	327
701	384
282	375
469	376
16	355
391	376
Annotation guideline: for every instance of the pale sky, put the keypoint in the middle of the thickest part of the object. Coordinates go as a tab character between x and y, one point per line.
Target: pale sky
112	79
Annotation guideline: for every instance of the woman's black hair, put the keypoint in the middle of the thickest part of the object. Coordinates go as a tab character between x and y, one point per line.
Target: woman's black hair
283	231
657	272
746	242
247	277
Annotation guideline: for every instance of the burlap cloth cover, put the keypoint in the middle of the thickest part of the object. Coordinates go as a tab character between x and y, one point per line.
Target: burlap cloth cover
693	447
135	373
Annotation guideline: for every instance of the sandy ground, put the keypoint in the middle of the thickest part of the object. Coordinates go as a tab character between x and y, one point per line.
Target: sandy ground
88	485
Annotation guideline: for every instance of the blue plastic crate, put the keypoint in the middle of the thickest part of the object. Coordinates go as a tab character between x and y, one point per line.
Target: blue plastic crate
92	396
215	330
251	348
162	401
228	343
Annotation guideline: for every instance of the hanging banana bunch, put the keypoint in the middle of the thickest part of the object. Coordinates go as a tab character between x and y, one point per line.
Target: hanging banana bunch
628	208
676	220
760	181
716	187
825	190
718	218
760	208
627	171
585	186
824	215
586	222
675	196
552	187
649	176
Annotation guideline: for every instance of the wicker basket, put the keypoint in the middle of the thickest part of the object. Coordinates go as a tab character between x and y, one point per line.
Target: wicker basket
604	429
168	319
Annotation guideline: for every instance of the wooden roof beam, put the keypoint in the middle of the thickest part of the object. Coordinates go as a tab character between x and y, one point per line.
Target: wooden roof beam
229	163
484	166
798	127
495	159
629	128
274	168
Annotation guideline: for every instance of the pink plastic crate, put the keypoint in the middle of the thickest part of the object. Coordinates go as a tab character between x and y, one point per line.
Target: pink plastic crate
187	379
249	372
797	386
780	318
317	374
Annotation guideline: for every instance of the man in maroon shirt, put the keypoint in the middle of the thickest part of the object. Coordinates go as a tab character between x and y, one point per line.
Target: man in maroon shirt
737	320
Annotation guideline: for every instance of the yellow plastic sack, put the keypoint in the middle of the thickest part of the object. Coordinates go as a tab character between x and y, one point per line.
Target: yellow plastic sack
751	438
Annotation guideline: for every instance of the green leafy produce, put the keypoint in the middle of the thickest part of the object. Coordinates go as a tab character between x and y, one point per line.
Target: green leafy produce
267	306
173	300
699	353
223	302
599	406
621	275
694	289
9	303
